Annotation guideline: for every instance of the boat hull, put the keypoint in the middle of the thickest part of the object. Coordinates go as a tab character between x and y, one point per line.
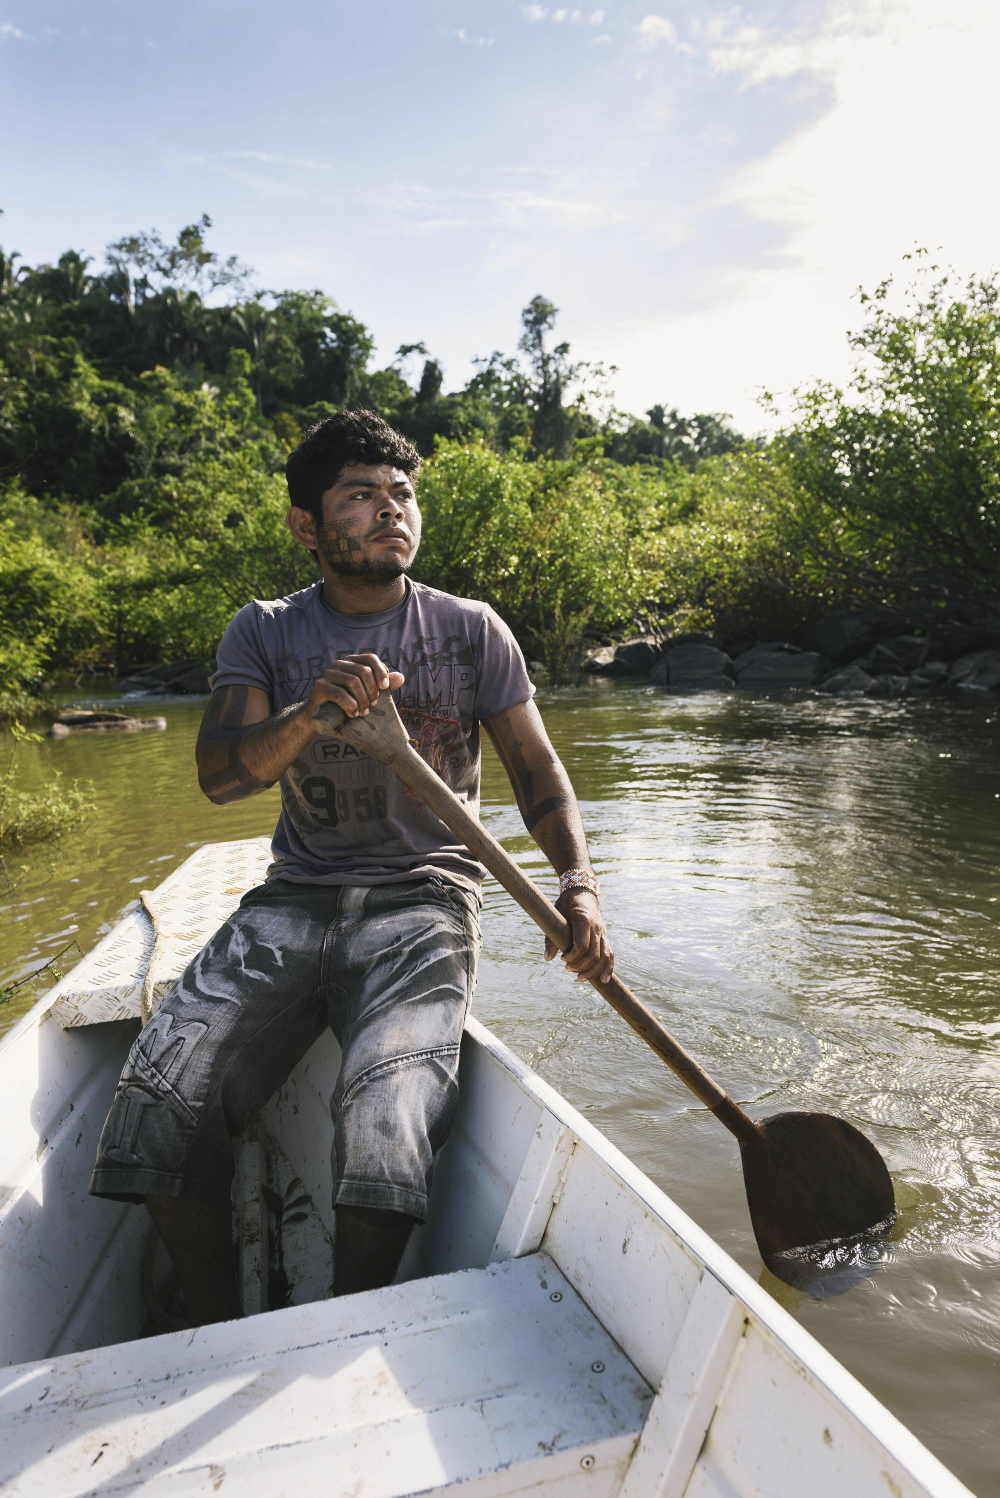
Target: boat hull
558	1325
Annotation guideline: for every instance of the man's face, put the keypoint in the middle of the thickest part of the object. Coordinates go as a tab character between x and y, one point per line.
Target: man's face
371	523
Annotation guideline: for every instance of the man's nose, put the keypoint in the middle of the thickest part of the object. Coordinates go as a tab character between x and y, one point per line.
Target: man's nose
391	509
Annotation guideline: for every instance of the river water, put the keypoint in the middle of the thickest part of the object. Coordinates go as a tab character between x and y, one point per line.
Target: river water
805	891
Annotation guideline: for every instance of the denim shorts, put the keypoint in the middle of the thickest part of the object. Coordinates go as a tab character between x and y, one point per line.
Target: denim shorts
390	968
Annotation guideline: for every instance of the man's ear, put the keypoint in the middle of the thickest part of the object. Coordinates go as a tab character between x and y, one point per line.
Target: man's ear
302	527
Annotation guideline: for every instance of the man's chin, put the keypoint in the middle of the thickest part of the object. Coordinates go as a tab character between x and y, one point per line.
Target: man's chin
376	570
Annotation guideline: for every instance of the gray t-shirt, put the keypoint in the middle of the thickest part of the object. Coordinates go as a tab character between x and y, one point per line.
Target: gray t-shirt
346	819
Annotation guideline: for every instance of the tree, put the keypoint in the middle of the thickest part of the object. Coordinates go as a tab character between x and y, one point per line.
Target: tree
334	348
907	460
541	394
668	435
146	265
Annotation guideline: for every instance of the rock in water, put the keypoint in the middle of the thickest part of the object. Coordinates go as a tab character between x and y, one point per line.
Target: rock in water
889	684
759	652
193	683
911	650
847	632
778	670
694	668
631	658
882	661
80	717
183	677
849	681
637	657
595	661
979	672
78	720
933	674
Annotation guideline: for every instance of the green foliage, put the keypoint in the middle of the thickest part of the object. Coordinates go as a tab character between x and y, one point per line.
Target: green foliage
49	603
750	556
905	466
204	547
667	434
552	546
145	423
20	704
888	491
28	818
35	818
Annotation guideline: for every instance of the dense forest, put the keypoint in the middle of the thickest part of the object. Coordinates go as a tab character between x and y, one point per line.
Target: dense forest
147	409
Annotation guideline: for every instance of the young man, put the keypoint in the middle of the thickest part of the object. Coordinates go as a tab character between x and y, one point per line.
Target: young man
368	921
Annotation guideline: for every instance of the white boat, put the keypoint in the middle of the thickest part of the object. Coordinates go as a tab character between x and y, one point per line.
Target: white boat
558	1325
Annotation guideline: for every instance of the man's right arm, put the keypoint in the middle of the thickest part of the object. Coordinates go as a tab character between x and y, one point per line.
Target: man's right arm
244	749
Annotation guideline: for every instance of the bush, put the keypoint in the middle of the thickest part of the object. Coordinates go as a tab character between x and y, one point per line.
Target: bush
50	607
755	557
204	547
550	545
28	818
906	464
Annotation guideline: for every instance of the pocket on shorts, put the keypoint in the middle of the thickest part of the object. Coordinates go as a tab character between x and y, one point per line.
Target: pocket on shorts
464	905
467	907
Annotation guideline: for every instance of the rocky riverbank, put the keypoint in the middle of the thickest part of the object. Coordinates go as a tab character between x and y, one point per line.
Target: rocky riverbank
184	678
853	654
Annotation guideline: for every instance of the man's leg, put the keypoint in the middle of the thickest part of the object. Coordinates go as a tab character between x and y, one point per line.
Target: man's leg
399	978
199	1240
244	1012
370	1244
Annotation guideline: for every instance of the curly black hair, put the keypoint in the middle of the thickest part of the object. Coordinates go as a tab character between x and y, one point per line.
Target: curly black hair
326	450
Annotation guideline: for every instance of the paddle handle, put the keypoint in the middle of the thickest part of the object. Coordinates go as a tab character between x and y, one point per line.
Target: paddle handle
431	789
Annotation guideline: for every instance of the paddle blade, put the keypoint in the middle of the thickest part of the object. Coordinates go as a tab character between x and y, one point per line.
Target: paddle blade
812	1178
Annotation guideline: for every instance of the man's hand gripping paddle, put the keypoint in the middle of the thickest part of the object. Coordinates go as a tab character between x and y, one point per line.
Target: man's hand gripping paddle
811	1178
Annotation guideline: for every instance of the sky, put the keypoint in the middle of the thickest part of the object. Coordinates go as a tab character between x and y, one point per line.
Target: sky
700	189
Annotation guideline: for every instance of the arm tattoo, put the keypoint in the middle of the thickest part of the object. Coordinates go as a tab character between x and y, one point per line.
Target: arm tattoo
532	811
542	788
231	750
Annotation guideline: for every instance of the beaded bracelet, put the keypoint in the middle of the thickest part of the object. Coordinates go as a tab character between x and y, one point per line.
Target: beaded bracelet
579	879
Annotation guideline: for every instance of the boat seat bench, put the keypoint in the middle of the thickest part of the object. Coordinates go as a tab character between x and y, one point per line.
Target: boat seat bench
497	1379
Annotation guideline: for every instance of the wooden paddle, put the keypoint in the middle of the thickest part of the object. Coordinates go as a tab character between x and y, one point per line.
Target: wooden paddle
810	1177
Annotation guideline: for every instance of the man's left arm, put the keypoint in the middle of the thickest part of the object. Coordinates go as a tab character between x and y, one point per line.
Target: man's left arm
552	816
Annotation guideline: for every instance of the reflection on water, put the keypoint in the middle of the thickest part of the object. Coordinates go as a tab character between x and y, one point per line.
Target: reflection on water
803	890
833	1268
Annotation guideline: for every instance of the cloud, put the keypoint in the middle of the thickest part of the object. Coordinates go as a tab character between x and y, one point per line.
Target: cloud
274	158
268	186
750	51
896	155
9	33
575	17
448	207
656	29
729	47
461	35
600	41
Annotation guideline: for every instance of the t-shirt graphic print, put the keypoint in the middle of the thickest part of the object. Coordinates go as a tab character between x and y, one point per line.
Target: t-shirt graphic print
346	819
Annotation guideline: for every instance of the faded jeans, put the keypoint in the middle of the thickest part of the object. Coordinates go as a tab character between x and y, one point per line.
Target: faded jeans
390	968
